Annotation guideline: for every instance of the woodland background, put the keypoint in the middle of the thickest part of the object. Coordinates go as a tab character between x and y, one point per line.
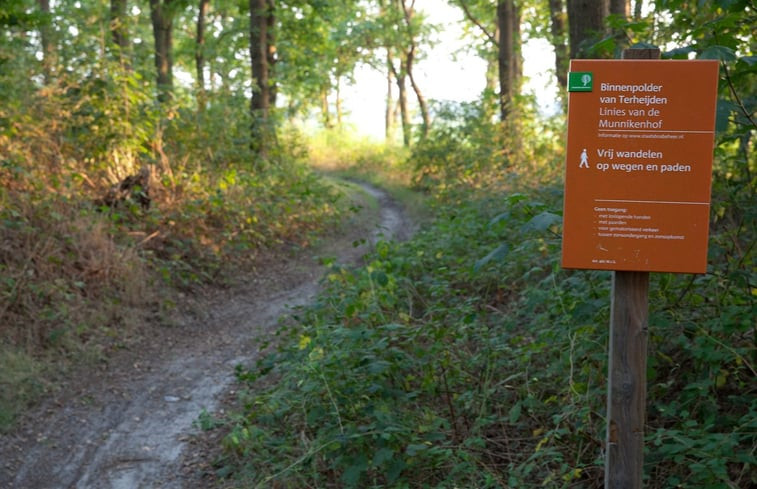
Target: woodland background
149	148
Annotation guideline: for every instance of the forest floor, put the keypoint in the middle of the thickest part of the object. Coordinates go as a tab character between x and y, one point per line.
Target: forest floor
131	421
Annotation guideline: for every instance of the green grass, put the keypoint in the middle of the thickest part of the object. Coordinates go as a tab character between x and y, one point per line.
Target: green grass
20	384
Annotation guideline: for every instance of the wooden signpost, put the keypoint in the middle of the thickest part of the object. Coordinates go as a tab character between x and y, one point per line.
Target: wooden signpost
637	200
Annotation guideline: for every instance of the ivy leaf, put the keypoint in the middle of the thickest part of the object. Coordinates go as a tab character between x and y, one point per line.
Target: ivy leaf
678	53
718	52
380	278
541	221
514	414
723	114
499	218
415	448
352	474
496	254
746	64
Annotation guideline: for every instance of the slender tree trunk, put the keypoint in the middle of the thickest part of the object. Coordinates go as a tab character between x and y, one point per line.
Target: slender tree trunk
505	12
422	104
119	31
338	103
409	63
162	27
557	18
271	49
261	93
517	56
638	5
389	114
399	76
404	112
262	57
46	39
202	13
325	111
585	21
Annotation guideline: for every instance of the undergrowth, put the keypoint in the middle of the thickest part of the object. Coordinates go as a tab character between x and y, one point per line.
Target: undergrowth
467	357
78	278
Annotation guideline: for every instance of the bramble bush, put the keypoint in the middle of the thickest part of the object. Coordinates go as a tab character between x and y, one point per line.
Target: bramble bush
467	357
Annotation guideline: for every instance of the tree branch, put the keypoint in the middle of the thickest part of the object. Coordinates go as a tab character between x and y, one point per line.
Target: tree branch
477	23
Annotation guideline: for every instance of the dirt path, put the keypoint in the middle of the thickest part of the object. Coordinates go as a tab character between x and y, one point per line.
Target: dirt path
126	425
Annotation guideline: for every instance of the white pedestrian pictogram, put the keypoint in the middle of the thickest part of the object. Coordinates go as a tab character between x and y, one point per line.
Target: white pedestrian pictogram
584	160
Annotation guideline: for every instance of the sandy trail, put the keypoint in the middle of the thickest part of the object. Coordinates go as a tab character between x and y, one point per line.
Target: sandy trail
126	425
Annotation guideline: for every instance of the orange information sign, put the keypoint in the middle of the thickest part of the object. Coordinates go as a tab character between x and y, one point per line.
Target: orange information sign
639	165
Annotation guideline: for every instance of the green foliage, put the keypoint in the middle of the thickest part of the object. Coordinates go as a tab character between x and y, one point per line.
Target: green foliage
468	358
465	149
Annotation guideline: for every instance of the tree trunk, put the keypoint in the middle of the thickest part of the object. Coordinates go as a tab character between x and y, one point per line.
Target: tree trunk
505	12
404	113
557	27
621	8
517	56
399	76
271	50
118	30
409	61
586	22
389	114
325	111
202	13
637	9
162	28
262	57
45	36
261	93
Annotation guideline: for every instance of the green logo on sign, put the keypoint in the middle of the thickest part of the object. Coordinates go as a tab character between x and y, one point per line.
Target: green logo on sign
580	81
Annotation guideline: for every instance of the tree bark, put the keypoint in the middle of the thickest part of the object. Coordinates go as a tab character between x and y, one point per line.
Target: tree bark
262	59
325	111
389	114
620	7
409	63
261	94
557	18
118	30
271	49
338	103
517	55
46	39
505	13
637	9
162	28
399	76
202	13
586	22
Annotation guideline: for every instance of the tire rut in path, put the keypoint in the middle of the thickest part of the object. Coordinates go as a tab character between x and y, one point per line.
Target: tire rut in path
126	426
